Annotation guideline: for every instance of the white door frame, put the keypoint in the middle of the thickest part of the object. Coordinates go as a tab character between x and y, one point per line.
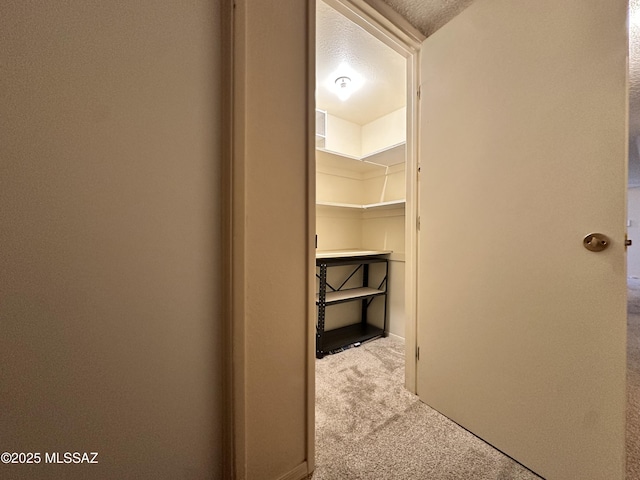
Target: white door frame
378	19
240	47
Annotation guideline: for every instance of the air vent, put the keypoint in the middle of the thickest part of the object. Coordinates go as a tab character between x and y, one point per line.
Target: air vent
321	129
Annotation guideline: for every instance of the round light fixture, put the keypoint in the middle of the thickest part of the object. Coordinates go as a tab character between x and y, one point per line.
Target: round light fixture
343	82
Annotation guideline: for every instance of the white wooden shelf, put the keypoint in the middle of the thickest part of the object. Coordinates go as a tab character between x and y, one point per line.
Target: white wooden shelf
389	204
392	155
334	160
385	157
368	206
340	205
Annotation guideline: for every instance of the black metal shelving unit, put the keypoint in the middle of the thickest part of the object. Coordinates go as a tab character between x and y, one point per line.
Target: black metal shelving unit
332	340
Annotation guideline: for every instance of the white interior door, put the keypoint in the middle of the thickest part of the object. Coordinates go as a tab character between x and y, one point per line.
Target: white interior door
523	141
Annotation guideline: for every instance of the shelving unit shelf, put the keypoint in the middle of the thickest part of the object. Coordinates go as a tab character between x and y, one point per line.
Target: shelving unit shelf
341	337
350	294
336	339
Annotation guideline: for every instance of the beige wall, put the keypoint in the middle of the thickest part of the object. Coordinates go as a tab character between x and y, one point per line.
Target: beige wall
387	130
359	141
332	187
633	230
109	237
338	228
385	230
385	186
343	136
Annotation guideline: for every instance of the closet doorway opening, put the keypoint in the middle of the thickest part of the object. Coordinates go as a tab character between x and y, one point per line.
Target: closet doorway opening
365	95
365	184
360	180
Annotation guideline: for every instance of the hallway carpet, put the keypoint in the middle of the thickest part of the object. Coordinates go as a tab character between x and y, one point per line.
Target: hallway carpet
633	380
368	427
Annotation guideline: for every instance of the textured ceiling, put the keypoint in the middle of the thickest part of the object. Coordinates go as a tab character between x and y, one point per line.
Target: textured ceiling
383	70
428	15
339	40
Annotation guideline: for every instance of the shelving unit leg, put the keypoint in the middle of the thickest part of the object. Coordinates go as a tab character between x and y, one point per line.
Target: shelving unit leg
365	302
322	304
386	287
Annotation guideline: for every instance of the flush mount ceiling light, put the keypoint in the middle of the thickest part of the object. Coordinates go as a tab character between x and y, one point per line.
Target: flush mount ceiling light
344	81
343	84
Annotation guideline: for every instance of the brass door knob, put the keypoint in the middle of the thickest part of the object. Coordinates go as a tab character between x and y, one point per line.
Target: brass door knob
596	242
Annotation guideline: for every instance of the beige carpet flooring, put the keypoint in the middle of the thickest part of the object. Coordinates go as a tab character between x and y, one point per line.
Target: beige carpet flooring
633	380
369	427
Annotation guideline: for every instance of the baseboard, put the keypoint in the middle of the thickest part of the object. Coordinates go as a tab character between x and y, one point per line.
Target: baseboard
395	337
298	473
